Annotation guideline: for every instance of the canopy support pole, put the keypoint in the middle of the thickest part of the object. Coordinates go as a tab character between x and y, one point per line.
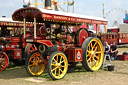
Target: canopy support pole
24	27
96	29
87	26
34	28
76	28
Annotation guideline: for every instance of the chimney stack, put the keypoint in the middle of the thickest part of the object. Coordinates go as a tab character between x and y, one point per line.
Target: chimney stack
48	4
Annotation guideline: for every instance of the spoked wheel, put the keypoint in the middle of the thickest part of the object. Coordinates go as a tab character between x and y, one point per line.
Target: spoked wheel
35	64
29	48
57	65
93	54
3	61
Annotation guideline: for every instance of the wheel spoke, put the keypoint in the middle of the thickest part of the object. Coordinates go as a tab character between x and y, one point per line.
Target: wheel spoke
90	63
35	69
95	48
91	44
55	60
32	68
96	62
88	51
55	72
2	66
59	72
31	61
60	58
98	52
53	64
94	45
89	47
32	48
54	69
38	69
62	61
41	65
1	56
97	57
87	55
3	59
89	59
30	65
93	62
35	47
63	66
30	51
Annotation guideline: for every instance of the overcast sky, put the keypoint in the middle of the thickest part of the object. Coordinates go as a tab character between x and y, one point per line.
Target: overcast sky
88	7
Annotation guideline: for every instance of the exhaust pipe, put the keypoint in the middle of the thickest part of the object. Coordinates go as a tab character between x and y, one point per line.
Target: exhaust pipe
47	4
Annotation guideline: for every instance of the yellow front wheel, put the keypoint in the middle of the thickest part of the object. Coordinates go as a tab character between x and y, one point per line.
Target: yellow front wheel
93	54
35	64
57	65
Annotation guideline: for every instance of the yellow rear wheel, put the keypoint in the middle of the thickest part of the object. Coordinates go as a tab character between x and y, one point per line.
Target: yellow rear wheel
93	54
57	65
35	64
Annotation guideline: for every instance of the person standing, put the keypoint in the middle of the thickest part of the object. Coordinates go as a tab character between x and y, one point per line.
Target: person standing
114	50
106	48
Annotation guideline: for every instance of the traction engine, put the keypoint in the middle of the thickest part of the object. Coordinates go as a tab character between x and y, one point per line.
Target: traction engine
12	49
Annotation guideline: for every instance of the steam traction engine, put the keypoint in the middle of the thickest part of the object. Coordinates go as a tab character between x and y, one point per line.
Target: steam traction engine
12	43
60	41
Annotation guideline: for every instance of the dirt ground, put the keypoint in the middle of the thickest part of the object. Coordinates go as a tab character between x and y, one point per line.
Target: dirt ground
16	75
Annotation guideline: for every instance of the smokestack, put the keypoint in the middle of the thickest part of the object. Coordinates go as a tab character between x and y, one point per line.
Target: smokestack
48	4
4	16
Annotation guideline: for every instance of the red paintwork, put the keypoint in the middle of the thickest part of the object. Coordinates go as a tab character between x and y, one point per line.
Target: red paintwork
15	39
8	38
75	54
23	40
118	38
32	48
114	30
46	42
123	57
83	34
60	47
71	19
15	54
110	38
98	27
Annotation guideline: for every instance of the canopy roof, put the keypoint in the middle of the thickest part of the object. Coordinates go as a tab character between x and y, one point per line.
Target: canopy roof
41	14
10	23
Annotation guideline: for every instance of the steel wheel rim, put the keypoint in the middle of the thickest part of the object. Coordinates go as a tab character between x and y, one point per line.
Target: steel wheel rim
59	65
36	64
95	54
3	62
